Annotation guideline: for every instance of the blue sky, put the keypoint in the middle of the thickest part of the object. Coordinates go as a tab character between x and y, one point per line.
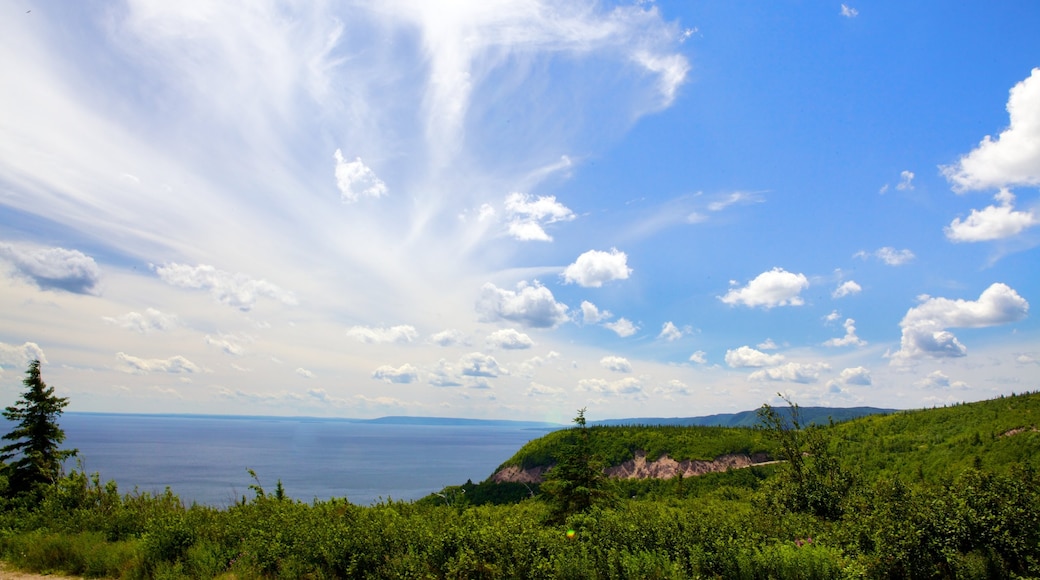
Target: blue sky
514	209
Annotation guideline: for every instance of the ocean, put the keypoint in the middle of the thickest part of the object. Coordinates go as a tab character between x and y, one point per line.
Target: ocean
204	459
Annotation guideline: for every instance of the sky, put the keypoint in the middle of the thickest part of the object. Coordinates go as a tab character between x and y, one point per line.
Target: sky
514	209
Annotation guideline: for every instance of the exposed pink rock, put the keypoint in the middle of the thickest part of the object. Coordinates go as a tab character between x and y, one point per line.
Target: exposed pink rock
663	467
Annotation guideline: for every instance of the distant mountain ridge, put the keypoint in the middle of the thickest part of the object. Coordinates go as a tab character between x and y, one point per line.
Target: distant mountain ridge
809	415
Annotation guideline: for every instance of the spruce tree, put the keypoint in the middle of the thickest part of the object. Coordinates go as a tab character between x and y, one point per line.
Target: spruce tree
36	437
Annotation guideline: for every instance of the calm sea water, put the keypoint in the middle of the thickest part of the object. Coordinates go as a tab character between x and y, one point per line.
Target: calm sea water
204	459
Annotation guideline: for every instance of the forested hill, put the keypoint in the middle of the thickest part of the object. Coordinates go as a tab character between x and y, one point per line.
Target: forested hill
809	415
919	443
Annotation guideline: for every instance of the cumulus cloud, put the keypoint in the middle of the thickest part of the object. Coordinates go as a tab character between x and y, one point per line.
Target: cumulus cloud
938	380
924	326
355	180
855	376
54	268
767	344
151	321
616	364
625	386
848	11
906	181
444	375
746	356
591	315
449	337
304	373
21	355
235	290
403	374
402	333
888	255
1013	158
528	217
532	305
174	365
509	338
792	372
670	332
672	387
478	364
776	287
995	222
850	338
230	344
623	327
847	288
594	268
700	357
539	390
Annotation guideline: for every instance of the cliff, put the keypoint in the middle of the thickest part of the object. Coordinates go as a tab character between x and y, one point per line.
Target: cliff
663	467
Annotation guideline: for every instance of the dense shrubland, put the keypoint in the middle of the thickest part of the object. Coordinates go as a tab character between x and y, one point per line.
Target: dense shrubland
941	493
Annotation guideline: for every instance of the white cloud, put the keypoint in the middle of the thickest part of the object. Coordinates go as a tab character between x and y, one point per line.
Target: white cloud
593	268
531	305
623	327
304	373
924	326
355	180
591	315
151	320
509	338
832	316
1013	158
855	376
54	268
938	380
539	390
402	333
670	332
449	337
230	344
736	197
528	217
847	288
791	372
746	356
850	338
616	364
672	387
700	357
776	287
236	290
906	181
478	364
888	255
767	344
403	374
444	375
21	355
848	11
174	364
992	223
625	386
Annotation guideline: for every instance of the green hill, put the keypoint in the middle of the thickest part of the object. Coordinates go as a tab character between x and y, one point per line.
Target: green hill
919	443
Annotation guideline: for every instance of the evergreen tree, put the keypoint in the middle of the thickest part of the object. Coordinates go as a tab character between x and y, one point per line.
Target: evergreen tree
36	437
576	482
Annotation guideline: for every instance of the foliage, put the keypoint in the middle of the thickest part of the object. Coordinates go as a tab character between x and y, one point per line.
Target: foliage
576	482
36	438
811	479
964	522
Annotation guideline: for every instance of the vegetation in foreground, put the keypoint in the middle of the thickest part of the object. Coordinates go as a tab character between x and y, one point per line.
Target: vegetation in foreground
864	499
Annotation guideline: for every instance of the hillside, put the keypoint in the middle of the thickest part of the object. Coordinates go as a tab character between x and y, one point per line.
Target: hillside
922	443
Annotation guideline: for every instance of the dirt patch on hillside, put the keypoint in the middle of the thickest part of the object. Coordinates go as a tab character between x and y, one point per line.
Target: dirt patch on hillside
1018	430
9	573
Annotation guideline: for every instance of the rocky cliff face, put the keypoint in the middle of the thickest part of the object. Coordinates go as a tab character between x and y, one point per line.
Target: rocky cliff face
663	467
